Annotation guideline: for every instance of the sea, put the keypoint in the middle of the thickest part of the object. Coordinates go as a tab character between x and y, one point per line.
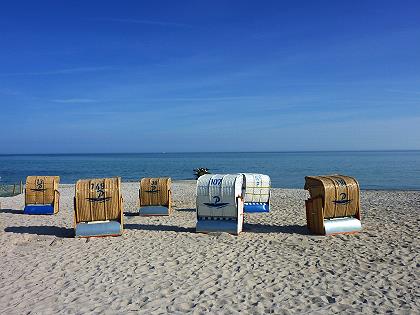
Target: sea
381	170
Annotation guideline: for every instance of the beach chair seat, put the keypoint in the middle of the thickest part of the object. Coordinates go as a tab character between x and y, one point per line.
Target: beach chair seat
257	193
42	195
334	204
155	197
98	207
219	203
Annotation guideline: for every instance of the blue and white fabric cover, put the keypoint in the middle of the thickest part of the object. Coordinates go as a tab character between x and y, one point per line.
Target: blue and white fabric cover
220	203
257	193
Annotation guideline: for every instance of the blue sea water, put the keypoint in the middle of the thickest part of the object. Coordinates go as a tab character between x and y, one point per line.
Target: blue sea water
396	170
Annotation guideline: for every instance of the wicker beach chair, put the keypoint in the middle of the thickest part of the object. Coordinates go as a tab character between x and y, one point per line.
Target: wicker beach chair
41	195
220	203
257	193
98	207
334	204
155	196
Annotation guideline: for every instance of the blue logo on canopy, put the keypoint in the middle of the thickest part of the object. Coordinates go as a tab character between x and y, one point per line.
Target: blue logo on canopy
152	191
343	200
216	203
100	199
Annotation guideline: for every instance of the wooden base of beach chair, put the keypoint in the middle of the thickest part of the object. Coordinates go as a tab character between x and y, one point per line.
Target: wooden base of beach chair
39	209
96	229
154	211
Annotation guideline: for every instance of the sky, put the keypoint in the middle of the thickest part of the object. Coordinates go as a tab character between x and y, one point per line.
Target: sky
198	76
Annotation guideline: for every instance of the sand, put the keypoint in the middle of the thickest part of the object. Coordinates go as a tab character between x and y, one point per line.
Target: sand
160	265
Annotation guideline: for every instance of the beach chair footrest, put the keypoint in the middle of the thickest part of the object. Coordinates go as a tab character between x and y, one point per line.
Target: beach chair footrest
342	225
98	229
255	207
153	210
38	209
208	226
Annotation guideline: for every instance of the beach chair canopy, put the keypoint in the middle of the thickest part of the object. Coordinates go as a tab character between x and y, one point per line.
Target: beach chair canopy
41	195
98	201
155	196
220	203
340	194
257	193
155	191
334	202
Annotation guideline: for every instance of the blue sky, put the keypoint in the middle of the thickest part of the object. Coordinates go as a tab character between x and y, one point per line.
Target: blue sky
179	76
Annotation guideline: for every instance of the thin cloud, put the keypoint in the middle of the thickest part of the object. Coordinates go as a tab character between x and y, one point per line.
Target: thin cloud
75	100
137	21
9	92
59	71
404	91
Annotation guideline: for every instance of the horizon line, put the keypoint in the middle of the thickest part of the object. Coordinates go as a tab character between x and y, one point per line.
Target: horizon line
195	152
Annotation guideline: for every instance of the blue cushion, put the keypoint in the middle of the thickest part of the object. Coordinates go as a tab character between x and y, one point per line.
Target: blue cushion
154	210
253	207
207	226
38	209
98	229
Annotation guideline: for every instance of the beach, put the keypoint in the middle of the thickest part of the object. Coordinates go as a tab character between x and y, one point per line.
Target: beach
160	265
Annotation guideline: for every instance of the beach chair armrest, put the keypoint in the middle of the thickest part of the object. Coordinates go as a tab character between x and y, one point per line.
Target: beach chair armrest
122	210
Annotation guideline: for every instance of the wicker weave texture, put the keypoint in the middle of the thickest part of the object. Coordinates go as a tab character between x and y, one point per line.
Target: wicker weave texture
98	200
155	192
332	196
41	190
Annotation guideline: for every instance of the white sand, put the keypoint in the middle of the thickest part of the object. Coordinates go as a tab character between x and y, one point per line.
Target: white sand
160	265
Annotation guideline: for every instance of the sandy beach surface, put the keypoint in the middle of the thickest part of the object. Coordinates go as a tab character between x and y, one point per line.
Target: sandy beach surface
160	265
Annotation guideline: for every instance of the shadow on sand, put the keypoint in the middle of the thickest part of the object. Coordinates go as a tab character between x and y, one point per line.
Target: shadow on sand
186	209
248	228
12	211
41	230
131	214
264	228
151	227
